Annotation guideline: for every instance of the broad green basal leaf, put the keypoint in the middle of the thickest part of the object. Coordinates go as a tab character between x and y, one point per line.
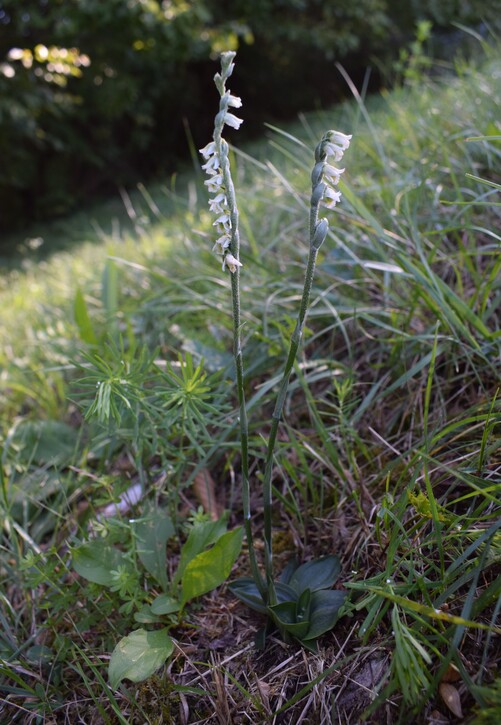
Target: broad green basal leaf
246	590
285	617
165	604
95	560
200	537
153	531
210	568
42	442
146	616
317	574
139	655
324	611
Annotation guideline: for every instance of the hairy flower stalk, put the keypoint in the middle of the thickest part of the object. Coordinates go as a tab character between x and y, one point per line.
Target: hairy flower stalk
223	204
323	178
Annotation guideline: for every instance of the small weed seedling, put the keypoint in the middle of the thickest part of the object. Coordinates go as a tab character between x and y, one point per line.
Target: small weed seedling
302	603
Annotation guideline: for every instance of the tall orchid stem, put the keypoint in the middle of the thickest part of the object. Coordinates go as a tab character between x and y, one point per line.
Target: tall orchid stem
221	184
318	233
237	352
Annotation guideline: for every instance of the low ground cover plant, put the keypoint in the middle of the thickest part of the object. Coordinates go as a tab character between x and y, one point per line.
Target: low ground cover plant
387	454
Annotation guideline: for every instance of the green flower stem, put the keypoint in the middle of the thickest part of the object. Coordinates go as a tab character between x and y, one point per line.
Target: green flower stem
318	232
244	430
237	352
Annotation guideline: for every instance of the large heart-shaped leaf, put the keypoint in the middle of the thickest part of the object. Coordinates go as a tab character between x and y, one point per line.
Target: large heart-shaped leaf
137	656
324	611
210	568
315	575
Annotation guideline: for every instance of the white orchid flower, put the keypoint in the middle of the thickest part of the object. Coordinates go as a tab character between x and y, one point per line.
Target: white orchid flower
233	121
332	175
232	263
331	197
209	150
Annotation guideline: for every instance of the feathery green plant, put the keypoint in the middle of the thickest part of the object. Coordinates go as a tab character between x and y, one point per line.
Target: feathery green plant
301	604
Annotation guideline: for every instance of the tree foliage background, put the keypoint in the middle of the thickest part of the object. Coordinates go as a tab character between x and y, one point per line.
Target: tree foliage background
94	95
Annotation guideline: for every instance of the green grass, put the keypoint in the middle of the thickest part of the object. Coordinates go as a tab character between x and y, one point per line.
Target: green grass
389	450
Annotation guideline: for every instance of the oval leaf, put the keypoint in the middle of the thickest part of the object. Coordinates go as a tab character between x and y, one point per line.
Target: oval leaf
285	617
95	560
288	571
152	533
164	604
284	613
324	608
303	605
285	593
137	656
146	616
200	537
315	575
246	590
450	695
210	568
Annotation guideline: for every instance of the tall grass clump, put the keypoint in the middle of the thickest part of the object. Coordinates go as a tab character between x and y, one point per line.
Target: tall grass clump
122	410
